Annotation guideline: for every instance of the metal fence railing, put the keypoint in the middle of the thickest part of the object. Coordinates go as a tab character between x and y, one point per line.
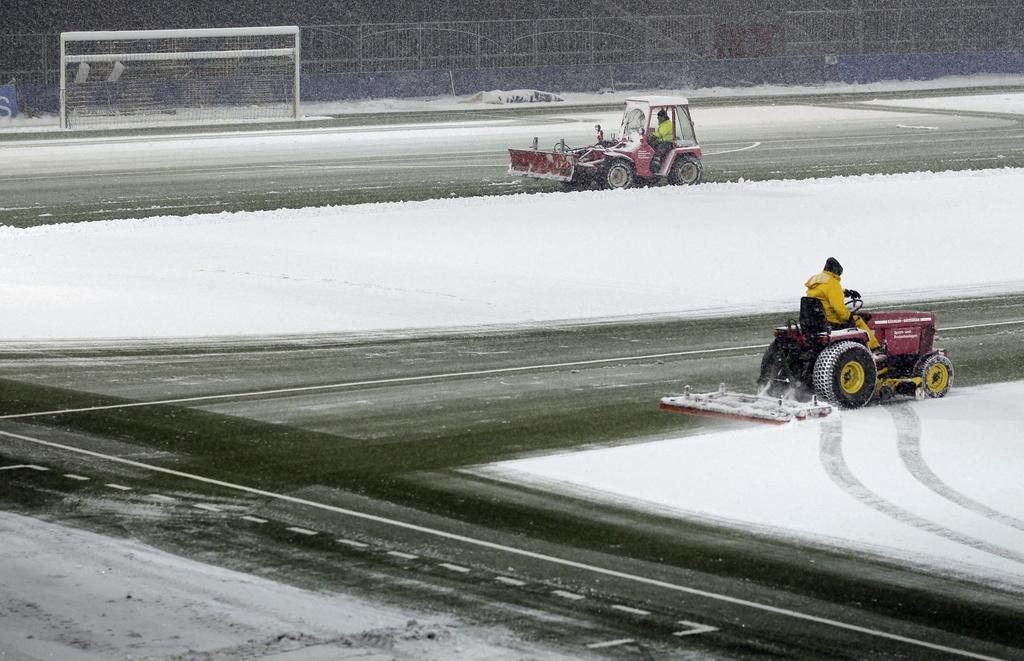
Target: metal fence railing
965	27
855	27
492	44
30	57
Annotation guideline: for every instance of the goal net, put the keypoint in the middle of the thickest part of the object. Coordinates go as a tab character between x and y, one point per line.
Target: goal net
152	77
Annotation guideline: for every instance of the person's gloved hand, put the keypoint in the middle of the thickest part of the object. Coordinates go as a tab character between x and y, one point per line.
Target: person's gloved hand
851	293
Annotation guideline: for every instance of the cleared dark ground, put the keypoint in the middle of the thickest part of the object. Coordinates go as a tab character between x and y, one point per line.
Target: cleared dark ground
216	180
395	449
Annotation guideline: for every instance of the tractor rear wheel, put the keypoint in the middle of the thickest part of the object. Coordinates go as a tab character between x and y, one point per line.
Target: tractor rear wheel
686	171
936	372
774	379
618	175
845	374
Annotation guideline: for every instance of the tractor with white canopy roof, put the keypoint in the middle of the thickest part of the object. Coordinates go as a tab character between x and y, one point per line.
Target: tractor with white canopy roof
628	158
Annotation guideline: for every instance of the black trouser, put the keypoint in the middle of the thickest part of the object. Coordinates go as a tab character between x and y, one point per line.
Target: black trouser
660	150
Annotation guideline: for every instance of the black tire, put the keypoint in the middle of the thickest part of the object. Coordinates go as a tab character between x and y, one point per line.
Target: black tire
774	378
936	372
845	375
686	171
618	175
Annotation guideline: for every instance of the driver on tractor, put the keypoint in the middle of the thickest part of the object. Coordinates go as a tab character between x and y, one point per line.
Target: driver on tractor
661	139
826	287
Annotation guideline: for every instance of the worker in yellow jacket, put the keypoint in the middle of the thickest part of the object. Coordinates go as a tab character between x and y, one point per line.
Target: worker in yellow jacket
662	139
827	288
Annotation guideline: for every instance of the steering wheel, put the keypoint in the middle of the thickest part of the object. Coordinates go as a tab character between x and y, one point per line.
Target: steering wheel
855	305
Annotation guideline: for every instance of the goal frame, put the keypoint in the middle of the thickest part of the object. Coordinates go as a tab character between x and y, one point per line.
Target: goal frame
114	35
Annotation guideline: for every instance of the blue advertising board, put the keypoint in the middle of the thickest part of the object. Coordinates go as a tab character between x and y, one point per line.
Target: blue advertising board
8	101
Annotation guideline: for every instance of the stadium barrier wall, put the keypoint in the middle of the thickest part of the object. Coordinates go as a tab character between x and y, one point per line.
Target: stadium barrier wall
685	74
692	74
8	101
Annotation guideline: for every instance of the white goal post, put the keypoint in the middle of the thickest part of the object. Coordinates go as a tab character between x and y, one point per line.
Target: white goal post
150	77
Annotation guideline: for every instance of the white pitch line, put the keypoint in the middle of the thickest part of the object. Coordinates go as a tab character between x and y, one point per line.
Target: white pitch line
611	643
208	508
975	326
420	165
572	596
695	628
377	382
732	151
119	487
252	519
494	546
353	543
28	466
631	610
455	568
514	582
401	555
428	377
451	375
80	478
302	531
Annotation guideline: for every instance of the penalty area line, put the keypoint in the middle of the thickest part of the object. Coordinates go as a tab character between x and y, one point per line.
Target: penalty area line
428	377
993	324
376	382
511	550
732	151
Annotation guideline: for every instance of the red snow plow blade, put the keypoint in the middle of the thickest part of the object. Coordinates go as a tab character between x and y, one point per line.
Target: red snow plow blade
542	164
739	406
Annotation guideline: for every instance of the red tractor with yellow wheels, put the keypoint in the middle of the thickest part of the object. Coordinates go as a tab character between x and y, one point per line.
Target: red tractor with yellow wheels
811	367
836	365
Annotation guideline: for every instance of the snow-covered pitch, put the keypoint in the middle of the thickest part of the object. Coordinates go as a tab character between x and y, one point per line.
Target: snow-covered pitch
716	249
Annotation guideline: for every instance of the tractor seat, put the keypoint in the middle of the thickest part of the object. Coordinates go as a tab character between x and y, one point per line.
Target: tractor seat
812	316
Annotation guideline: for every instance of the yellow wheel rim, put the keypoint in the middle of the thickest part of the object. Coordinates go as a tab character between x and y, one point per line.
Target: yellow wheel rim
937	378
851	377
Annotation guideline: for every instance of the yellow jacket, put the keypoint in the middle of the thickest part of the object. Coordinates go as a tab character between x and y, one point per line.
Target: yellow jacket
827	288
664	132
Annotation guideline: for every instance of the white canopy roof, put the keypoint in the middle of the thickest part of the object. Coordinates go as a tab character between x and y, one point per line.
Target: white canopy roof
660	100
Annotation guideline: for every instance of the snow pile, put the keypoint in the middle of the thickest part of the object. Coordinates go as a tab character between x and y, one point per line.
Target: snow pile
913	481
712	249
71	594
514	96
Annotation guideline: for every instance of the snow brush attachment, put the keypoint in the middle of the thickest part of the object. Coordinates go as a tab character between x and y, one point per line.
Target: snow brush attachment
740	406
554	165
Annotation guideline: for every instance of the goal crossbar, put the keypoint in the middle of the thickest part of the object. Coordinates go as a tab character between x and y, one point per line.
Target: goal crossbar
185	55
199	33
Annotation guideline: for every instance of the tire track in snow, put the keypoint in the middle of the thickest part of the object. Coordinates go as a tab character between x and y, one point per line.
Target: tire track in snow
908	435
831	454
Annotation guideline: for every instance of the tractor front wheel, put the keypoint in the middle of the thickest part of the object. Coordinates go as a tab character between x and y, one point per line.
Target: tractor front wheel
936	372
686	171
845	375
619	175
